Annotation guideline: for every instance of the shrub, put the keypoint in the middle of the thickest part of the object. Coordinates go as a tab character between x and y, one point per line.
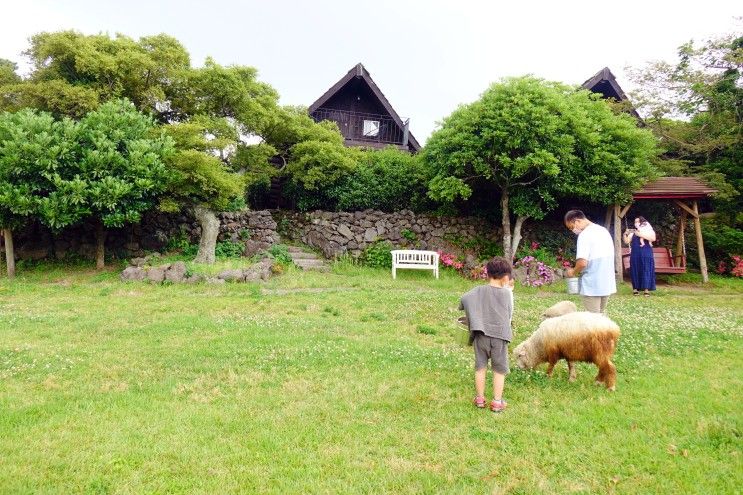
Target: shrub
538	273
280	254
387	180
378	255
724	247
229	249
182	244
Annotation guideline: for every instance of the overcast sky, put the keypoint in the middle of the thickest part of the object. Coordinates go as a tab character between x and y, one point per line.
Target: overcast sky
427	57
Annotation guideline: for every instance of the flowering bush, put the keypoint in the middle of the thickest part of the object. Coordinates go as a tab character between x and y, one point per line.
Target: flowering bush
538	273
737	270
734	267
450	260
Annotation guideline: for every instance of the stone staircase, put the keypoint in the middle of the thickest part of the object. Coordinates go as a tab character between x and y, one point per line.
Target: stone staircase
307	260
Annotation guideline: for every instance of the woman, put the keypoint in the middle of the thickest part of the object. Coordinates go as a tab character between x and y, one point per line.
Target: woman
641	261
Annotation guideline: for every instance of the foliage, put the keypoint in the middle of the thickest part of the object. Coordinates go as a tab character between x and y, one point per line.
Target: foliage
722	244
378	255
530	141
182	244
694	106
387	180
483	247
539	253
229	249
31	147
280	254
113	172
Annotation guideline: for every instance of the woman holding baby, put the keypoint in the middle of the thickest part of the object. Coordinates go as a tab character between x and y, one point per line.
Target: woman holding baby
641	261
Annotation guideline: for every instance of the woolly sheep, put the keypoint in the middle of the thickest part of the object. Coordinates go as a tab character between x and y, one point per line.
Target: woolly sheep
559	309
581	336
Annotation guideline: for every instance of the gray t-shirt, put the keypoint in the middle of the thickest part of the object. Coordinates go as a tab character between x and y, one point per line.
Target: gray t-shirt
489	310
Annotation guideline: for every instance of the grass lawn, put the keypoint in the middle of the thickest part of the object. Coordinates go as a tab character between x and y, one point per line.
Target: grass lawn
349	382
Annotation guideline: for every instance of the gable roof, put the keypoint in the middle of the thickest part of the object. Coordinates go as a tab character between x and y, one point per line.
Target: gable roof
674	188
605	82
359	71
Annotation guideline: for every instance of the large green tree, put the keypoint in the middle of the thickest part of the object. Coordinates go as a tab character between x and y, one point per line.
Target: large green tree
32	145
695	106
526	142
113	173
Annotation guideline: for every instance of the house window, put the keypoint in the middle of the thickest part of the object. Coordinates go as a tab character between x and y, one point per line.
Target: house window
371	128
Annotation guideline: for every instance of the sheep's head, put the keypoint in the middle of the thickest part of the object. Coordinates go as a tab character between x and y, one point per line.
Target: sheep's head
522	358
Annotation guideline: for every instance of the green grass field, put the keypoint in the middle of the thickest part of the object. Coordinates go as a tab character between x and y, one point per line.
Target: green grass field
350	382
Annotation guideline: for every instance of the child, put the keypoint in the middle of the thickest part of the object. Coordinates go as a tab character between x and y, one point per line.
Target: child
489	311
645	230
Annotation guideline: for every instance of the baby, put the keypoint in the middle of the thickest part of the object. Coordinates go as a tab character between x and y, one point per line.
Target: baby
644	228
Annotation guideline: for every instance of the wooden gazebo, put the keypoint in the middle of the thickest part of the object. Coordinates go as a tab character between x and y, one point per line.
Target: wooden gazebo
684	192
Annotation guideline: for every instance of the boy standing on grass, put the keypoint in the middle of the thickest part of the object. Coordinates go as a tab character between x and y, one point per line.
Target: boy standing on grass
489	311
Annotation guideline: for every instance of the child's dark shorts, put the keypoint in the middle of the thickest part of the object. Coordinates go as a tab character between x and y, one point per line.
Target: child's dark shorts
491	348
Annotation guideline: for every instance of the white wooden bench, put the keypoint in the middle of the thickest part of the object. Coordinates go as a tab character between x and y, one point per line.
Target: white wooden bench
416	260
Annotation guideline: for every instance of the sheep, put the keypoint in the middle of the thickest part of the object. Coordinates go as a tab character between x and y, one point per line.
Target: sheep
559	309
580	336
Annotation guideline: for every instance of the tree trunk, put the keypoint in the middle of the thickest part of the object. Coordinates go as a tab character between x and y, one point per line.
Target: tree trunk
100	246
506	222
9	252
517	233
209	232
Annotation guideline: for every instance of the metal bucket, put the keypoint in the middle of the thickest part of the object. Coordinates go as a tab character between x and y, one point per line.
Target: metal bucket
573	285
462	332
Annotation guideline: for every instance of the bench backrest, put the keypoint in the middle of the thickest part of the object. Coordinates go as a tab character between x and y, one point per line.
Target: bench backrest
414	257
662	256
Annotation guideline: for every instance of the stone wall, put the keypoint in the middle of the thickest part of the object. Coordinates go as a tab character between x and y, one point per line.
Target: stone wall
338	233
333	233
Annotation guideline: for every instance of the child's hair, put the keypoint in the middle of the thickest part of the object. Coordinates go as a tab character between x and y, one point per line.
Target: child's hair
642	220
498	267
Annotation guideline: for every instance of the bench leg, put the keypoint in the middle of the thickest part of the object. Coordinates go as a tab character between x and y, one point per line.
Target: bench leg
394	273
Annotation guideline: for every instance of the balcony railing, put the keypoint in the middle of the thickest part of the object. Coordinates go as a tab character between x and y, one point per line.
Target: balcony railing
366	127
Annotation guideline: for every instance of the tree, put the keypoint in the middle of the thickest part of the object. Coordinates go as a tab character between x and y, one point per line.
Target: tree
72	73
528	142
114	173
31	145
201	182
695	106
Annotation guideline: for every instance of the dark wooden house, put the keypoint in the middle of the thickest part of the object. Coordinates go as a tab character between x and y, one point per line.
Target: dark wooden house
605	83
363	114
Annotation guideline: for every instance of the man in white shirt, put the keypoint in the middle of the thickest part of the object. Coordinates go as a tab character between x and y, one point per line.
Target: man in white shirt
594	261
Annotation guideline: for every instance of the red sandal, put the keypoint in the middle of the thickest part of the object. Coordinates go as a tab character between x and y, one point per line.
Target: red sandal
498	406
479	402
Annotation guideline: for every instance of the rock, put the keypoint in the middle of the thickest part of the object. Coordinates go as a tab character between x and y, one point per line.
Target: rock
156	274
132	273
370	235
216	281
26	252
138	262
259	271
231	276
345	231
195	278
519	273
176	273
254	247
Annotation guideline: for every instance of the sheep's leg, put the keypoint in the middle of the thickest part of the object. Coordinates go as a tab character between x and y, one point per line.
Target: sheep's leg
571	371
602	373
611	376
550	368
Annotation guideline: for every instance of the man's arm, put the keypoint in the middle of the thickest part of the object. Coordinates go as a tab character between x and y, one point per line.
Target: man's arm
580	265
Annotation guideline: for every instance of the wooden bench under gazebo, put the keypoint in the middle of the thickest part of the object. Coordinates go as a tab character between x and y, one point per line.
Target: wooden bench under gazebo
684	192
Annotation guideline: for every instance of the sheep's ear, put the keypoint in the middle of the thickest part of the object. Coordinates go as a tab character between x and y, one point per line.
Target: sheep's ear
522	353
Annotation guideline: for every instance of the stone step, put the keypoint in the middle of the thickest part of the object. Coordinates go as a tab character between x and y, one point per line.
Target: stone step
309	262
303	256
295	249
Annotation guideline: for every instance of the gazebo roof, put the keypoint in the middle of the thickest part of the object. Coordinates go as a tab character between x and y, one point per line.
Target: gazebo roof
674	188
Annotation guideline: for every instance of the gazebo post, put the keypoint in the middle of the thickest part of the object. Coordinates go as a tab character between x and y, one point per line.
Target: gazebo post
700	244
618	245
681	234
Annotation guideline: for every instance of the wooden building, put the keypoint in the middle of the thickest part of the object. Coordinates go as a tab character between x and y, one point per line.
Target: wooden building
605	83
363	114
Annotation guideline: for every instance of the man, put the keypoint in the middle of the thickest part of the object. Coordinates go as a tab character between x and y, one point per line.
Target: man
594	261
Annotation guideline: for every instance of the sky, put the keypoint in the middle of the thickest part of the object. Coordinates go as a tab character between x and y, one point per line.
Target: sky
427	57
